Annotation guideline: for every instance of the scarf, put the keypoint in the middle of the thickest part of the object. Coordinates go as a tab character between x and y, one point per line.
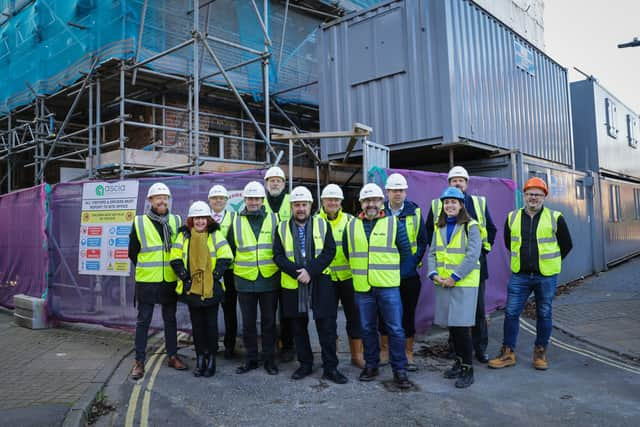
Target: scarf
163	220
200	265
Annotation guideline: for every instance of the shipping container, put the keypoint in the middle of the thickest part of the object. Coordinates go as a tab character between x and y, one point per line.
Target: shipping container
441	74
606	131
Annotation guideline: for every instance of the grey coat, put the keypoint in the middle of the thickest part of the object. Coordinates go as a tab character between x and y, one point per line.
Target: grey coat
457	306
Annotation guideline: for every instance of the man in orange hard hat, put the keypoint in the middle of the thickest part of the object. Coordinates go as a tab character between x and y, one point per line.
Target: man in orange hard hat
538	239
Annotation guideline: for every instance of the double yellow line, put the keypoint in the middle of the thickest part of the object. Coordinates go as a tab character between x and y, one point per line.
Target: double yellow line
586	353
155	362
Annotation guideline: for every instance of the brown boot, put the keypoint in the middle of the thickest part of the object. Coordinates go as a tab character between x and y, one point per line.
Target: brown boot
540	358
357	357
384	350
177	364
138	370
408	351
506	358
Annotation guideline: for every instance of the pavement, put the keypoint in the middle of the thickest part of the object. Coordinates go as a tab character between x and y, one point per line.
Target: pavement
53	376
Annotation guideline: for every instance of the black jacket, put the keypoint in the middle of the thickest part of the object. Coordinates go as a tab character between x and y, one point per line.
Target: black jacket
529	247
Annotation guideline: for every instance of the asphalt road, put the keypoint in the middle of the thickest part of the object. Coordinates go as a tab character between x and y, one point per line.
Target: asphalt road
583	387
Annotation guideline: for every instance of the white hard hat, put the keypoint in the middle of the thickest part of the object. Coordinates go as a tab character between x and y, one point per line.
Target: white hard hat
158	189
199	208
218	190
253	189
301	194
332	191
396	182
371	190
458	172
274	171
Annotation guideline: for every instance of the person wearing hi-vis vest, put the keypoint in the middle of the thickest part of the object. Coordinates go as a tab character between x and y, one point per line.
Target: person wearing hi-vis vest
454	267
412	229
303	249
331	200
218	198
371	243
477	208
152	235
277	201
256	276
200	256
539	239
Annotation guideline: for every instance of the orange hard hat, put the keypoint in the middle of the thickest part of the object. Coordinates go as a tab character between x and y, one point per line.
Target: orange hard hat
536	182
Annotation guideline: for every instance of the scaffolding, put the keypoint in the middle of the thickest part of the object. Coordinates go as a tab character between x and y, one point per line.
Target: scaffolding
95	122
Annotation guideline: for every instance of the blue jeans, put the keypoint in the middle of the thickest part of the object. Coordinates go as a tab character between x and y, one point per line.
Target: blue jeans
518	291
387	302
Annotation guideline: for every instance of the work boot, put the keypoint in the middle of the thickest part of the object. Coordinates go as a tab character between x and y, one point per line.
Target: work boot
368	374
466	377
540	358
357	352
335	376
201	365
506	358
301	372
401	380
408	350
271	367
177	364
211	365
455	370
482	357
138	370
249	365
384	350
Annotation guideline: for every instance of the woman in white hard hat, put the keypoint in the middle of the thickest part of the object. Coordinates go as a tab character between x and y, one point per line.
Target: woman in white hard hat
455	270
200	256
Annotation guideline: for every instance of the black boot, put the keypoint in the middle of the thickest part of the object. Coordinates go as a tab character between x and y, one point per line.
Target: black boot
200	365
368	374
455	371
271	367
466	378
249	365
335	376
302	372
402	380
211	366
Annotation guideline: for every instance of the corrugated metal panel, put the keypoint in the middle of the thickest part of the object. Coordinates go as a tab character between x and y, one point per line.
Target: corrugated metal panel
622	230
465	78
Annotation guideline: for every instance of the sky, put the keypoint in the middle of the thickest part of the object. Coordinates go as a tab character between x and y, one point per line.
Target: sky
585	34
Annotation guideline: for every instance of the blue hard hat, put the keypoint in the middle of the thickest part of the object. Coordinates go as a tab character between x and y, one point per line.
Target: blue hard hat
452	193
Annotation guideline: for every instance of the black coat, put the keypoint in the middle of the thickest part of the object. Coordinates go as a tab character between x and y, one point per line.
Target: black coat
323	293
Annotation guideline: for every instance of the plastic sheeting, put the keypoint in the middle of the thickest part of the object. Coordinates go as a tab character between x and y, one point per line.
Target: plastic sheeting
500	194
109	302
24	262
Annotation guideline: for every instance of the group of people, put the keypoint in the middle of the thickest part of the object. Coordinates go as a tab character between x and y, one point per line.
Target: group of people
276	253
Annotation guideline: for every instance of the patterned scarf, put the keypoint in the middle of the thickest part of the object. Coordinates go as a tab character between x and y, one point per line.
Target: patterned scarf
166	229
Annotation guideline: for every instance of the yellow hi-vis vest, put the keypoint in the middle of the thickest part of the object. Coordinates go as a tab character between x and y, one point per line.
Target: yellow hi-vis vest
340	269
319	234
227	220
254	256
413	226
450	256
285	208
549	259
480	206
153	262
218	248
374	262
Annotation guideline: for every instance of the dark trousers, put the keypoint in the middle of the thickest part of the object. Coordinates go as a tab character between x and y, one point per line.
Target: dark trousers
346	295
229	304
409	294
326	328
461	336
268	302
145	314
204	325
286	330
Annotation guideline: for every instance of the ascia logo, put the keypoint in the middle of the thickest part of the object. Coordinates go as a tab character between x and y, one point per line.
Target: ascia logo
100	190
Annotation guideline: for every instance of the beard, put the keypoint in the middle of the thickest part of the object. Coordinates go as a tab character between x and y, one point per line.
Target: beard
275	193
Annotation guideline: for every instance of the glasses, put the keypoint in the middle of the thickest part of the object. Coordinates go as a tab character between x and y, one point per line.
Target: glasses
536	195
